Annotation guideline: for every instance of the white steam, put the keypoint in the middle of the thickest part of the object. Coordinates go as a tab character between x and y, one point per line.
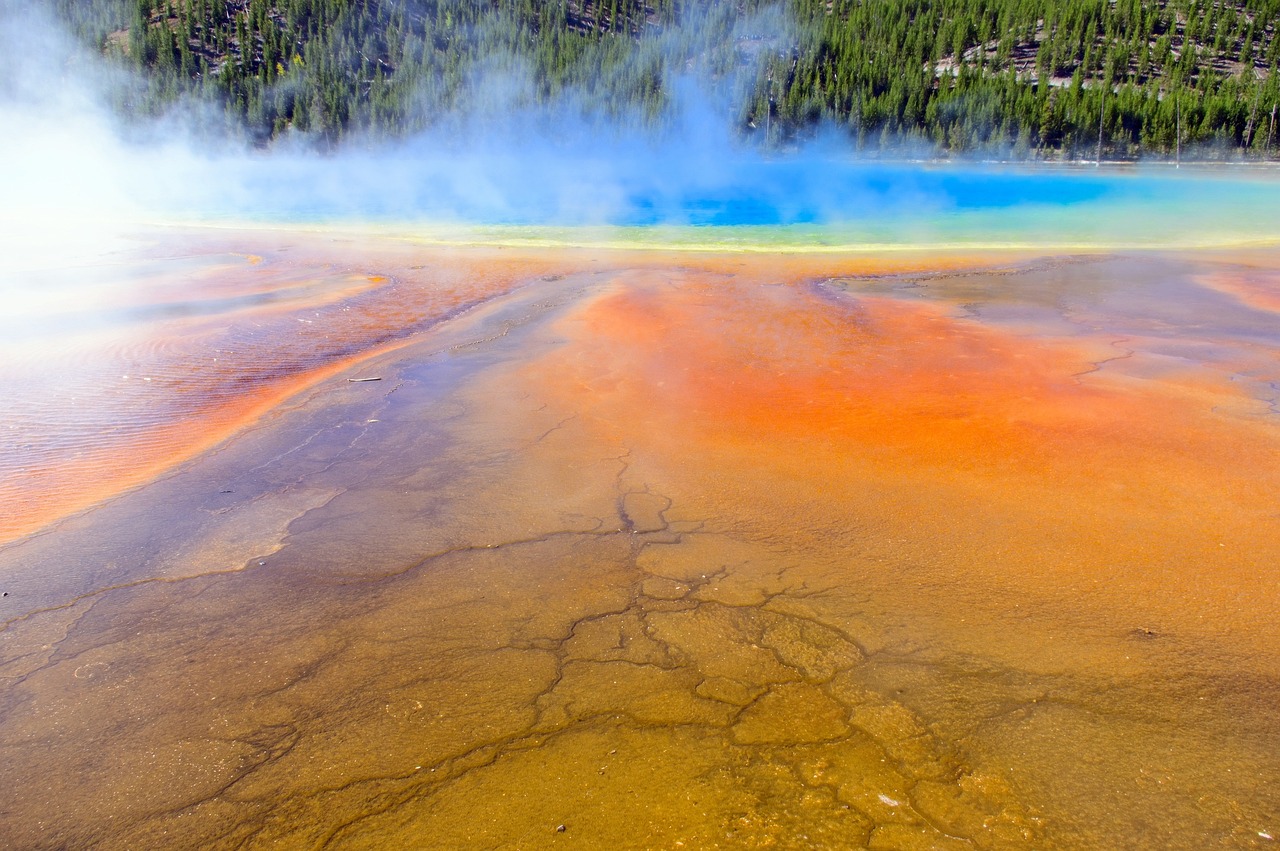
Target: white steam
74	171
67	157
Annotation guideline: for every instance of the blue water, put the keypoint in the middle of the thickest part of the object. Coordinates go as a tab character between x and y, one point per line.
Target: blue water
852	202
737	191
789	193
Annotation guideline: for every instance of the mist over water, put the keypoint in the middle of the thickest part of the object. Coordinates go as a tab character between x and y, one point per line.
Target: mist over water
341	507
504	163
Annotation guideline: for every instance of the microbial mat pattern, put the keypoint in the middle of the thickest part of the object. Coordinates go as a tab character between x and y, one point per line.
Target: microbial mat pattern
340	541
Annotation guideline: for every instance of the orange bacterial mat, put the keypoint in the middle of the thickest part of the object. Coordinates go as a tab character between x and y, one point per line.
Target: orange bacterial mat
469	547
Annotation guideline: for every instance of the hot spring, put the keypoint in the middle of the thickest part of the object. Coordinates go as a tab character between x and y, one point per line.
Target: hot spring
898	506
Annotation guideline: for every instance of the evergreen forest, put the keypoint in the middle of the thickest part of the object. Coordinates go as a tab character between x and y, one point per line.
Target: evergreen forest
1064	79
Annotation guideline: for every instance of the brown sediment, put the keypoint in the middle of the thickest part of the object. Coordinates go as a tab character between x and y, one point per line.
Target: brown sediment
691	551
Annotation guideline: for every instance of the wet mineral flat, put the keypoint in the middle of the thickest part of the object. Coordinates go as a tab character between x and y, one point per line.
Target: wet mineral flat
650	550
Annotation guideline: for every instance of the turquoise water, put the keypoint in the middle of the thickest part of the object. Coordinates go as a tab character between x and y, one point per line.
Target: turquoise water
750	203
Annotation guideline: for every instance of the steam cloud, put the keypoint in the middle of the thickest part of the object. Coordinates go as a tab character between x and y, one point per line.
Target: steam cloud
499	162
68	157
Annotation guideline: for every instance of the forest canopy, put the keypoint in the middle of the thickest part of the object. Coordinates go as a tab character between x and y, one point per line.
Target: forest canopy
1047	78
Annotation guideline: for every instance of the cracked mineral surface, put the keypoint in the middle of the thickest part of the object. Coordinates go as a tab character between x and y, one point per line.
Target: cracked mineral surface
650	551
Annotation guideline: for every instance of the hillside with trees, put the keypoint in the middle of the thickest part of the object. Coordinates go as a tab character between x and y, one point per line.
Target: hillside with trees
1048	78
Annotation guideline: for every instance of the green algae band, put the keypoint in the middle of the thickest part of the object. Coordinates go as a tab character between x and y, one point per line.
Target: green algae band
647	549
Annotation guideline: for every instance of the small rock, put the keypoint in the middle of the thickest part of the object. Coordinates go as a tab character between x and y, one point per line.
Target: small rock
561	829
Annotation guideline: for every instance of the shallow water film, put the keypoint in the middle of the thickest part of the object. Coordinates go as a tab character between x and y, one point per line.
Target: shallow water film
326	540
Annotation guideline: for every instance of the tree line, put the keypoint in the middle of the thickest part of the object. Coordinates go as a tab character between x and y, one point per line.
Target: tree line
1049	78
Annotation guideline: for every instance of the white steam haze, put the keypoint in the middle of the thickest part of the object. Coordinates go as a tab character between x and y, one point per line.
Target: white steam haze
76	172
67	156
71	179
71	160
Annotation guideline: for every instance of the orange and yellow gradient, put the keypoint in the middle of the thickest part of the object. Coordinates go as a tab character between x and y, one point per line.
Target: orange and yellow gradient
915	549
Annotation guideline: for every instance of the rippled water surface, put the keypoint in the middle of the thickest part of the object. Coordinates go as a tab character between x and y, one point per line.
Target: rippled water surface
325	539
